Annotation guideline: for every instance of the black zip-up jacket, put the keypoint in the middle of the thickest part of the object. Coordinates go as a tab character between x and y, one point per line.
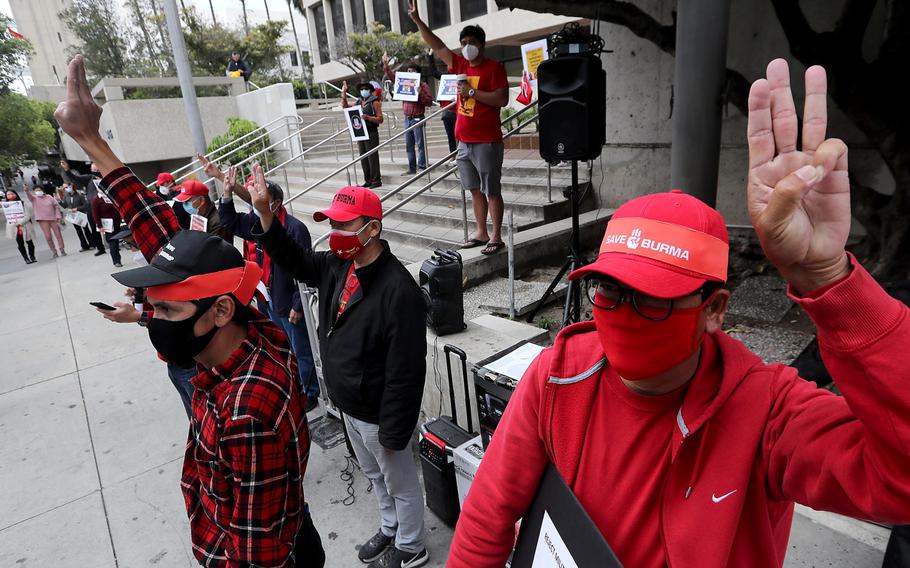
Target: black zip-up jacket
374	354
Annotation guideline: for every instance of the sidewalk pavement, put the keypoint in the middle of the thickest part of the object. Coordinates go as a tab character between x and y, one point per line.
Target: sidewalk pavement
92	436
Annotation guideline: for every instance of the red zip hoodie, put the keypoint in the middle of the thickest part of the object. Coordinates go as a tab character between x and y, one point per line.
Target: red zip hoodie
764	432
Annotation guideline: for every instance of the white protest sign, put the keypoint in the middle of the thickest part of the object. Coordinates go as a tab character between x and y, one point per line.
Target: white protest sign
407	86
532	54
551	551
448	87
13	211
199	223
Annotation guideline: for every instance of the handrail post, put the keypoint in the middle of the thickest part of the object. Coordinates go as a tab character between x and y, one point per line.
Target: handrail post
348	169
549	183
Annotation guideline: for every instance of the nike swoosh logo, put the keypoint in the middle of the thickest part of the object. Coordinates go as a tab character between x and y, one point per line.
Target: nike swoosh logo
717	499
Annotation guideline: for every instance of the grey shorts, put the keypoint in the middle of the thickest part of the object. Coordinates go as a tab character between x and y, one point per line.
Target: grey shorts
480	166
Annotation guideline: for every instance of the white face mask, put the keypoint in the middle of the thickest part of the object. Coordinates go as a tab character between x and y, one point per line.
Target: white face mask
39	193
470	52
164	191
364	93
69	190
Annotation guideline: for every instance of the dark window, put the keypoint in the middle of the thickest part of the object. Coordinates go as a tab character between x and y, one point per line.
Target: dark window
473	8
381	12
294	62
337	17
406	23
358	16
322	39
438	13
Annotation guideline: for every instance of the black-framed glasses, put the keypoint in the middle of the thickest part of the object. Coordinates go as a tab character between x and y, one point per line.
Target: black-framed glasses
608	295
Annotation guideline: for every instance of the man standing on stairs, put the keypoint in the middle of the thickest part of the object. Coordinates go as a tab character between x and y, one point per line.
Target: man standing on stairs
414	113
372	339
371	111
477	127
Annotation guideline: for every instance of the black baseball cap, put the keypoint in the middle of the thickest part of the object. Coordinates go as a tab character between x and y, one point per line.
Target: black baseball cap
192	266
122	234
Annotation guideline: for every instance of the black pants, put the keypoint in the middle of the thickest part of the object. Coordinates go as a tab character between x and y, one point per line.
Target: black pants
898	553
96	239
21	242
370	164
448	120
308	551
85	236
114	245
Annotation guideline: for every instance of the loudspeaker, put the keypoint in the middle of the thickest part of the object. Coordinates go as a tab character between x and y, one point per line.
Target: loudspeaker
441	284
572	107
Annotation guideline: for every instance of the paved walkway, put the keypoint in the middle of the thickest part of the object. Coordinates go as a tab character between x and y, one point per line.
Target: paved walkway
92	436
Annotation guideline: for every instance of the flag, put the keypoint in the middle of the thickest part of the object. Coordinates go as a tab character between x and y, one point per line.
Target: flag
527	91
12	31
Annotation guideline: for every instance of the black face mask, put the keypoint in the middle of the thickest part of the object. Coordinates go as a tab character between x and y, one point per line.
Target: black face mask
175	340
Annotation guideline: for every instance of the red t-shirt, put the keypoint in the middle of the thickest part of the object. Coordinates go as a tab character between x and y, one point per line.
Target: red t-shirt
626	478
350	286
476	121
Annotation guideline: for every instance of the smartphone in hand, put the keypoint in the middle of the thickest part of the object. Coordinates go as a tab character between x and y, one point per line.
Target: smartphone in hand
103	306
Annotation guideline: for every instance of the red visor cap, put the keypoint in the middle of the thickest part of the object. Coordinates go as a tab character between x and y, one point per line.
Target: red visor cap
350	203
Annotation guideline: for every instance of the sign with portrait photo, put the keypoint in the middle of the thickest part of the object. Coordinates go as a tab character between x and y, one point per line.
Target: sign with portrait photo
407	86
356	124
448	87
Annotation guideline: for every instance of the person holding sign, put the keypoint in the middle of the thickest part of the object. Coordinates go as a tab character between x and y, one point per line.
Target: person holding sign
194	197
477	128
682	445
49	216
414	112
371	112
107	220
19	226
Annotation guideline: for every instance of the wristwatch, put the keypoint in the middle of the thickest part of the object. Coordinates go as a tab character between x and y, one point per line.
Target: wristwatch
143	319
471	93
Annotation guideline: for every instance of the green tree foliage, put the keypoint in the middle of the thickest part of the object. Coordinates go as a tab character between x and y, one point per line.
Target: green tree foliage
237	128
102	38
25	132
13	53
362	52
210	45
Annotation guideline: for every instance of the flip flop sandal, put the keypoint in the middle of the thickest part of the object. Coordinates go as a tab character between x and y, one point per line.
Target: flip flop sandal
492	247
473	243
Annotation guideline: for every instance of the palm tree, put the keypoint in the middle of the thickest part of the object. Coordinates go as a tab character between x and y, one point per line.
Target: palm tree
246	23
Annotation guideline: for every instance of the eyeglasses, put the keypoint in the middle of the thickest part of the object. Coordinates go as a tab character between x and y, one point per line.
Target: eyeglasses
608	295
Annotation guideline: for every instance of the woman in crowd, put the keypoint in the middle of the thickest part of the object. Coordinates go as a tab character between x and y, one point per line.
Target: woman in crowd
74	201
22	231
102	210
49	216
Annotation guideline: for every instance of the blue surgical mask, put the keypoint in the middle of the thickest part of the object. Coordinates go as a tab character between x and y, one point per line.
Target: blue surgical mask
365	94
188	207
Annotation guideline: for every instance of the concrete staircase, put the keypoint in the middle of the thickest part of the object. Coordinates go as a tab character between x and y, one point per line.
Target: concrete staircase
433	219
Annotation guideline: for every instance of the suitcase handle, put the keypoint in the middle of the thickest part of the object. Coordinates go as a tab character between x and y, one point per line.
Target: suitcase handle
448	349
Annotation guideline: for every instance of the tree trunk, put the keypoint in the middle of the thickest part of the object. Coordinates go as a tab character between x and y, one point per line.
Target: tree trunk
212	8
140	19
246	23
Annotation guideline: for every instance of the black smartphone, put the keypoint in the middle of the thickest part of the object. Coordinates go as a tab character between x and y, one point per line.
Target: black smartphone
103	306
139	298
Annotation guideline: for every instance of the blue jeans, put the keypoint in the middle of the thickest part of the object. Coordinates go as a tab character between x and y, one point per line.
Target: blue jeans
410	139
300	345
180	377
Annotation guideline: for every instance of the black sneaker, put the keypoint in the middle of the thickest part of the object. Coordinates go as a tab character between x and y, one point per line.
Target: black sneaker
100	252
375	547
394	558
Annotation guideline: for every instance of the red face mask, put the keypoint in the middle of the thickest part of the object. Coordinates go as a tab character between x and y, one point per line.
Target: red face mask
639	348
346	244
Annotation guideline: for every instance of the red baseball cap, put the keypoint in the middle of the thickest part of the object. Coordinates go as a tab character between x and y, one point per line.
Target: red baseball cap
349	203
190	189
666	245
164	178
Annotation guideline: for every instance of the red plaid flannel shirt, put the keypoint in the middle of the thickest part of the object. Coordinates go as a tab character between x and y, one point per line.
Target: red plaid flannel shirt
249	443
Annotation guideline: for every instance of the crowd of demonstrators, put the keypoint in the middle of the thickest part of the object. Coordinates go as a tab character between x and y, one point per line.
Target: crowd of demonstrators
107	222
167	189
88	183
371	110
687	427
74	201
248	445
449	116
477	127
283	304
23	231
237	67
372	343
195	199
49	216
414	114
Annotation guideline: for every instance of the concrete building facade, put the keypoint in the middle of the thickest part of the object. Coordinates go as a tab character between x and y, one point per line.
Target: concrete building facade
39	21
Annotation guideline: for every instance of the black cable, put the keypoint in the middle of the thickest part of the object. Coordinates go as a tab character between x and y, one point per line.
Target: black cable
347	476
573	34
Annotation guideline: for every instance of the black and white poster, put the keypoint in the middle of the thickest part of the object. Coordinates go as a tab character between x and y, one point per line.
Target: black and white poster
356	125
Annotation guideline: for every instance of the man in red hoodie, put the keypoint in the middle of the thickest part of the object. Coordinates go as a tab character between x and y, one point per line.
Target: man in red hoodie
682	445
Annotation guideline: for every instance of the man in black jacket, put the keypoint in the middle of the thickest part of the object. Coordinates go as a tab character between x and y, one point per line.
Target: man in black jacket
236	64
372	338
89	184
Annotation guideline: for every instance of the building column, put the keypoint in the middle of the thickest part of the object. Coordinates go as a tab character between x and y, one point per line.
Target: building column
348	15
313	38
368	12
492	7
455	11
329	27
394	15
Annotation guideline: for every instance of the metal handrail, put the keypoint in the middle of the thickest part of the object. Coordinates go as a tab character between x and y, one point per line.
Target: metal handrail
269	147
301	154
362	156
330	85
248	134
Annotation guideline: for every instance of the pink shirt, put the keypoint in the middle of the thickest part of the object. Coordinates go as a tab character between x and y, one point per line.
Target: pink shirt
46	207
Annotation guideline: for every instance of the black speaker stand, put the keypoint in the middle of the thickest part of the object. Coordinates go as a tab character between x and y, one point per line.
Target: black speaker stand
572	310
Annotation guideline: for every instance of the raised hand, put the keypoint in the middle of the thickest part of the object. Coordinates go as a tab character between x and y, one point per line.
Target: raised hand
385	58
412	10
230	181
259	197
78	115
211	169
798	199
